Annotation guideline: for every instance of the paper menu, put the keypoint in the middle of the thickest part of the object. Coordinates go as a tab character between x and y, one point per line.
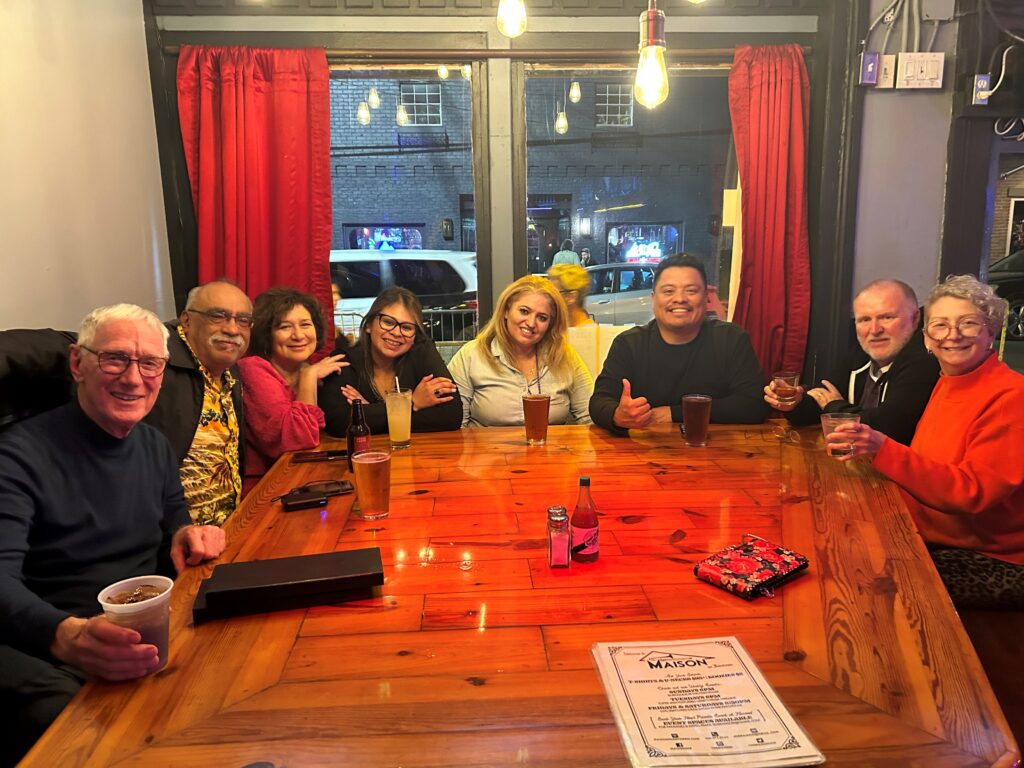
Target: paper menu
698	703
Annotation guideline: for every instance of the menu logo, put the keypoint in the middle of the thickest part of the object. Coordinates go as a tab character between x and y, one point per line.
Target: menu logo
664	660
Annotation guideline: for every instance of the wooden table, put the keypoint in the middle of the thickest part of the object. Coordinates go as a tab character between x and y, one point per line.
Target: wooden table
477	654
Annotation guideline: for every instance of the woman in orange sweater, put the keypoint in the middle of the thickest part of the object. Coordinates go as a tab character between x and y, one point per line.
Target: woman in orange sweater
963	474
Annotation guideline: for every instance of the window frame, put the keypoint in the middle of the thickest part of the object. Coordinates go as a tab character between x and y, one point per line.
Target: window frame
416	109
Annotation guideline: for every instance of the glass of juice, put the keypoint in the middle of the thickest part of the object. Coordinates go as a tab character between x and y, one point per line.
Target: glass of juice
399	405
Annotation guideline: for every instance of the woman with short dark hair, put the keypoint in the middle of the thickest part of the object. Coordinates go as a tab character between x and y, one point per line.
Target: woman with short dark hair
393	344
280	386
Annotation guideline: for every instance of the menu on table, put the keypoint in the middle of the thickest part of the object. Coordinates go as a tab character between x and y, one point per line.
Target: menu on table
698	702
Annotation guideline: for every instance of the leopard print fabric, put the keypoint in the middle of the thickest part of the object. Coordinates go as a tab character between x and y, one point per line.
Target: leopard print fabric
976	581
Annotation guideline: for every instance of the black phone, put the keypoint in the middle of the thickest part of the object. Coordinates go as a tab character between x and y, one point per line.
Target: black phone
303	500
308	456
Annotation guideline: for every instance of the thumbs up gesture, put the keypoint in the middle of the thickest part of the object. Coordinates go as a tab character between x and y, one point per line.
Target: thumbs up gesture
632	412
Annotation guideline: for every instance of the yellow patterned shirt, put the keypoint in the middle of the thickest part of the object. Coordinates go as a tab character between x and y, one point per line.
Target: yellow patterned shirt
209	472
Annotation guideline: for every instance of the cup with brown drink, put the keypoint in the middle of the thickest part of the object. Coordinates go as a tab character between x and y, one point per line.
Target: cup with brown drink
696	417
373	483
535	417
786	385
142	603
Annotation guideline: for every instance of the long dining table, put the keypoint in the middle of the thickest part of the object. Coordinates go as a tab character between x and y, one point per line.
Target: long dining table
475	653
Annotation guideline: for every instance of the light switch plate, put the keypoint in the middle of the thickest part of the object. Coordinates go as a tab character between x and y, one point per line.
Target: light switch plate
919	70
887	71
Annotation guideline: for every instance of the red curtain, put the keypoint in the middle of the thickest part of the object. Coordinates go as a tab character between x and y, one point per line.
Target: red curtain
255	124
768	102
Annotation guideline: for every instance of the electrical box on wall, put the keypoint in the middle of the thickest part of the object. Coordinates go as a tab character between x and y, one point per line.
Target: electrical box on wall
919	70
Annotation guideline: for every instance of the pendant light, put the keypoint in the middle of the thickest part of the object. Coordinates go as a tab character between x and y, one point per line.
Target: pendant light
373	98
512	17
561	122
363	113
574	92
651	85
467	71
401	115
442	71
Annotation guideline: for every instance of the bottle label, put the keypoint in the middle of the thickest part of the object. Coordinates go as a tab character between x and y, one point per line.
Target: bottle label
584	540
361	443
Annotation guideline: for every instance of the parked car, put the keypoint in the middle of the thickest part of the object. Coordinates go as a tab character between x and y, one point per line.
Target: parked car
444	282
620	294
1007	277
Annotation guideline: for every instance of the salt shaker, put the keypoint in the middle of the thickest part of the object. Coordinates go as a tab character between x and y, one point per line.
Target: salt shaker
558	537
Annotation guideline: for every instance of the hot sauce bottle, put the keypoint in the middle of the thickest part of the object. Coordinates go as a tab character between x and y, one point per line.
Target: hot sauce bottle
584	526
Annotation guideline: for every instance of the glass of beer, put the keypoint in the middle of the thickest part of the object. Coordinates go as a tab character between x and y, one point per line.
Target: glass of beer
535	417
399	405
373	483
786	385
696	416
829	422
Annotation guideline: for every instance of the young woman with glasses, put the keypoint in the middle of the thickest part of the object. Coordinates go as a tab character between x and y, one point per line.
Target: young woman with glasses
280	387
963	473
392	344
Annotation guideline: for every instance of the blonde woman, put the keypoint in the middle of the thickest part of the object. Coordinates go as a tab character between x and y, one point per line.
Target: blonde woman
522	348
573	283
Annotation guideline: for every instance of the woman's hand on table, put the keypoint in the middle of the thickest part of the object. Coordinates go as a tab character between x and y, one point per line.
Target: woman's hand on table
862	439
352	395
433	390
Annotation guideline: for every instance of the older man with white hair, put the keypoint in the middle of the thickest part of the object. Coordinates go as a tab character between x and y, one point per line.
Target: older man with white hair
88	496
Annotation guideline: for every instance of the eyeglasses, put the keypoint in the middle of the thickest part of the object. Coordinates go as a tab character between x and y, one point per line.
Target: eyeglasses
118	362
222	316
389	323
968	327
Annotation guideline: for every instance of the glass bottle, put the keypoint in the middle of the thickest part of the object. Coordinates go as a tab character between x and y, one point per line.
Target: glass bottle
584	526
358	433
558	537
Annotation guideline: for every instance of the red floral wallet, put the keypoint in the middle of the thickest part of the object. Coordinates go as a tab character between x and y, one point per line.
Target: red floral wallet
751	568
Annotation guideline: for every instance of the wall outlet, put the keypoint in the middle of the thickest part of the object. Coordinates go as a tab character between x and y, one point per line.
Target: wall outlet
868	68
887	71
919	70
982	84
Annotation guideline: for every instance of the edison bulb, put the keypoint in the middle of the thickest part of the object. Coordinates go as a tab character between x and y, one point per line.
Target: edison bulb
401	115
373	98
442	71
561	123
363	113
512	17
651	86
467	71
574	92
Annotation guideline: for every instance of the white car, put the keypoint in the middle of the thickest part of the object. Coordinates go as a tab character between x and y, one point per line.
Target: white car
440	279
620	294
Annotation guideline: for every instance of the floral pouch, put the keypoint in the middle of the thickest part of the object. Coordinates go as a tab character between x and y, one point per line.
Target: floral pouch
751	568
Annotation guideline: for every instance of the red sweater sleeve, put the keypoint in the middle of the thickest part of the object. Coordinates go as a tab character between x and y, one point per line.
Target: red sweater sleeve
274	421
988	471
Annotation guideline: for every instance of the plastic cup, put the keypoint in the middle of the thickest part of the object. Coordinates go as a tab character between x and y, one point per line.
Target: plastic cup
150	618
373	483
696	417
786	385
399	406
829	422
535	417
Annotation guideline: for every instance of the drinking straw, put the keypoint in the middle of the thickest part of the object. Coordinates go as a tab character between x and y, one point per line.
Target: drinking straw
398	387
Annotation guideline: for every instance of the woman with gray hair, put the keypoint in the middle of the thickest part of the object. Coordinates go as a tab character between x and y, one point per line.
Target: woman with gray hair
963	474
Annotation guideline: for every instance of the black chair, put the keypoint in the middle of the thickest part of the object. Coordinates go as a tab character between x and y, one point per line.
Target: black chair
34	373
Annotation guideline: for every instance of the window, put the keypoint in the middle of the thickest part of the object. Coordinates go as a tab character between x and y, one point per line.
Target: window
357	279
426	278
422	101
614	104
637	279
601	281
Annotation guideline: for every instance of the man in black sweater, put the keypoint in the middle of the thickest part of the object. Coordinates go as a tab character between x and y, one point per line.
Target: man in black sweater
651	367
88	496
887	380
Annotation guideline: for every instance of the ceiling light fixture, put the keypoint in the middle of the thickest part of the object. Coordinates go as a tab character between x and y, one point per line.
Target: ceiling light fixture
651	85
574	92
561	123
373	98
467	71
512	17
363	113
401	115
442	71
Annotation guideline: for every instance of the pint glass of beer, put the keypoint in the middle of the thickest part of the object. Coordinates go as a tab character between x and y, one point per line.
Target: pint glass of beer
696	416
535	417
373	483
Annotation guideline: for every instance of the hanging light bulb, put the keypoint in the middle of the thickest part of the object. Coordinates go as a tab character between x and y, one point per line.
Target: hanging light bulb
373	98
696	2
442	71
651	86
401	116
363	113
561	122
512	17
467	71
574	92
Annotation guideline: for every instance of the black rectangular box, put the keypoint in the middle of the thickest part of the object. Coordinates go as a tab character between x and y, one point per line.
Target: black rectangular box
259	586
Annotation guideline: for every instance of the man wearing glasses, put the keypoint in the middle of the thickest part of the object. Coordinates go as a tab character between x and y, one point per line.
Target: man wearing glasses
89	496
199	407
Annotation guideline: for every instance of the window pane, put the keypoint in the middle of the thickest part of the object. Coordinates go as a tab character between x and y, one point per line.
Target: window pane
426	277
629	184
357	280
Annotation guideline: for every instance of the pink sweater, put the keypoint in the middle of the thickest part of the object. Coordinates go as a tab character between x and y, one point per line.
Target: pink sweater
963	474
274	421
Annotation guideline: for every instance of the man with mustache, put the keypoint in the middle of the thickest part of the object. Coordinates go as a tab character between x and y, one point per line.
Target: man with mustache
649	368
199	407
887	379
